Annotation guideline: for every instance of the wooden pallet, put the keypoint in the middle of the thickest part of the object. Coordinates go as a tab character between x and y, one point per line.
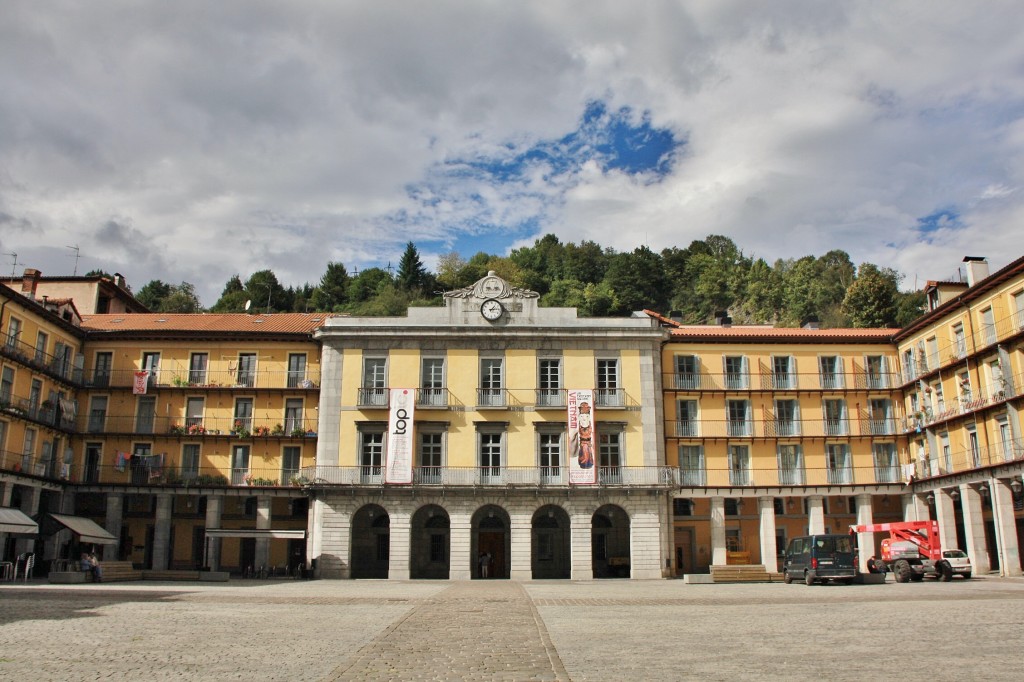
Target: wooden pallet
117	571
737	573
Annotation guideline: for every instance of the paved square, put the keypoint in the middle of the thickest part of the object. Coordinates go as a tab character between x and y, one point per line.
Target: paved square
503	630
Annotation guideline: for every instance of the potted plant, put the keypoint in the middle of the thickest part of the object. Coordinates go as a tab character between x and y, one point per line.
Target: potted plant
278	430
298	432
261	431
176	430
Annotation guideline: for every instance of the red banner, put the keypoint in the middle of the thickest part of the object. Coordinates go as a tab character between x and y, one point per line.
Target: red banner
141	382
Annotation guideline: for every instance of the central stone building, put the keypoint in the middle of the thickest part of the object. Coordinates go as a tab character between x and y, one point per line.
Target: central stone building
494	387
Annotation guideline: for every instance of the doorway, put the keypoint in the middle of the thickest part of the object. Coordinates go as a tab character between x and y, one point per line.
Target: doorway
371	543
492	543
685	550
551	555
610	542
431	543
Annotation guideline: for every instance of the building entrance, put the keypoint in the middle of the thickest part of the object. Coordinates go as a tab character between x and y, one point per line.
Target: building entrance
371	543
492	543
610	542
431	543
550	543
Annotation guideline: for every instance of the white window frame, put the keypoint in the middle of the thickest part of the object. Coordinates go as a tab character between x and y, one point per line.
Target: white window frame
790	458
492	381
608	382
433	381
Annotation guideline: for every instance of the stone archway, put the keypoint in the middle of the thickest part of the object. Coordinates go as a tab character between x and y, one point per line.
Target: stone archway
610	542
551	544
491	538
371	543
430	543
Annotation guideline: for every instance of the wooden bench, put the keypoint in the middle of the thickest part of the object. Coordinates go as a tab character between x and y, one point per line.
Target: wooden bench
117	571
734	573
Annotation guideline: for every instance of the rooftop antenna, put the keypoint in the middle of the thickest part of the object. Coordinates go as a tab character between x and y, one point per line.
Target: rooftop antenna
14	265
389	268
77	256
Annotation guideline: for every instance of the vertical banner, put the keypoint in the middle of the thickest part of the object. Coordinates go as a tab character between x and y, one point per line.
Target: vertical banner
398	468
582	437
141	382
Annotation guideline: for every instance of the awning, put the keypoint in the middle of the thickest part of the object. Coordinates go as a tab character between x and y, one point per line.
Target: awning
87	530
15	521
255	533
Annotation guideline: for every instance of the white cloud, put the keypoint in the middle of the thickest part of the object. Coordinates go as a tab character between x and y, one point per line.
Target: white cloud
195	140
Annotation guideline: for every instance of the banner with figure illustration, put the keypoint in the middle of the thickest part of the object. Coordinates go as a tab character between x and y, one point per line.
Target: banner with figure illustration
398	467
582	437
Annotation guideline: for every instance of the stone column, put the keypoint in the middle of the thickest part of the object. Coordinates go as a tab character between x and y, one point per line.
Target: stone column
401	535
263	520
460	566
162	532
6	491
769	551
214	510
30	507
865	541
334	549
945	514
645	544
521	543
815	515
328	441
914	508
581	527
114	522
719	551
1006	528
974	529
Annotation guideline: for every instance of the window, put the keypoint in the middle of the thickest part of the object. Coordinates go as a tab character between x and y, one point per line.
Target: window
492	445
29	449
739	465
1018	310
691	465
42	339
830	371
102	369
686	411
787	418
97	414
682	507
432	383
194	408
609	455
431	455
940	399
880	416
996	381
293	422
371	455
837	463
291	462
243	415
791	465
735	372
947	453
491	392
988	326
909	366
3	436
549	451
246	373
959	340
438	551
886	468
973	446
13	333
932	351
145	414
1005	437
783	372
35	395
151	364
6	385
608	393
964	385
197	366
687	372
296	370
189	461
374	392
549	383
239	464
738	416
835	417
875	372
93	458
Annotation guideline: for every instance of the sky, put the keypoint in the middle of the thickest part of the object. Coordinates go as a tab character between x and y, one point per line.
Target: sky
194	140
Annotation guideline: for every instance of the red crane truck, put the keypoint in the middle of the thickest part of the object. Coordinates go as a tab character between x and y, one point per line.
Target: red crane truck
912	550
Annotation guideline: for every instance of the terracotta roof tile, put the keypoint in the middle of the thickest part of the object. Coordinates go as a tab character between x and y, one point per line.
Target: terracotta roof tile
275	323
756	333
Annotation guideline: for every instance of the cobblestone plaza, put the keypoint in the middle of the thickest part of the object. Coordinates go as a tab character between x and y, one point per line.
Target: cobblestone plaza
508	630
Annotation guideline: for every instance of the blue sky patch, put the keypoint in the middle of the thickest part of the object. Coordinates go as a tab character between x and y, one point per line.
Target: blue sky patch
943	218
489	201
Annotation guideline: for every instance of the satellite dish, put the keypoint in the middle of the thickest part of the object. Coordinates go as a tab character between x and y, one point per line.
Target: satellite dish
248	304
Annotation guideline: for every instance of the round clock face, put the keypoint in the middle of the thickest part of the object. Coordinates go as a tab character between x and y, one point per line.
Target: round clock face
491	309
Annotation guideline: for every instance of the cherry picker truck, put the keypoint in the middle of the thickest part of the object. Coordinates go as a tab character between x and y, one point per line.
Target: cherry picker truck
912	550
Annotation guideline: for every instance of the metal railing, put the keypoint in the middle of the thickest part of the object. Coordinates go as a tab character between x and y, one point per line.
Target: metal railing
779	428
195	427
47	412
492	476
952	351
969	459
432	397
550	397
182	377
804	381
1007	389
373	397
58	366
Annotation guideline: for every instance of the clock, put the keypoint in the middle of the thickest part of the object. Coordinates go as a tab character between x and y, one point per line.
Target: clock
492	309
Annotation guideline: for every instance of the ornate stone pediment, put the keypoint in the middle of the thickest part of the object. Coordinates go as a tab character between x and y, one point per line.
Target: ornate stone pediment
491	286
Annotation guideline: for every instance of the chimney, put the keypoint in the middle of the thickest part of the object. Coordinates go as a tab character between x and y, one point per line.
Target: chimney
811	323
977	269
722	318
29	282
676	316
119	280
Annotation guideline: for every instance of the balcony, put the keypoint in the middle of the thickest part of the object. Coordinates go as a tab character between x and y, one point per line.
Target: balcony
535	476
808	475
373	398
197	427
47	412
432	398
609	397
182	377
491	397
59	367
550	398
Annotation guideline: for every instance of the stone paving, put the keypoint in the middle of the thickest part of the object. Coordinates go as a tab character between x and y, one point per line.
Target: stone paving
505	630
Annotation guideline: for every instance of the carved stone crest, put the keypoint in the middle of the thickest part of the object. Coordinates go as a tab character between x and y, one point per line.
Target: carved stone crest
491	286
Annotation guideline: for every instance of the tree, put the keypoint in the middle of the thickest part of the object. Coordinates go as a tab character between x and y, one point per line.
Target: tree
153	294
100	273
412	276
638	281
366	285
265	292
871	299
332	293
